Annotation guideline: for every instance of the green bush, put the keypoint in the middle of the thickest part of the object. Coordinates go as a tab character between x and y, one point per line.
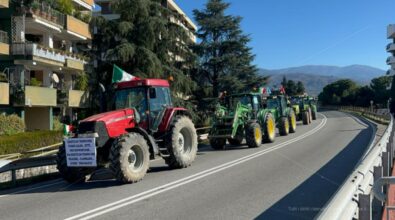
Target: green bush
11	124
23	142
57	125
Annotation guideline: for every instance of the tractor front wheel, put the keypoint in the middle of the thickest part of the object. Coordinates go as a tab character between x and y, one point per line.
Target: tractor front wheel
218	143
181	143
284	126
292	122
269	128
129	158
305	117
314	115
253	135
70	174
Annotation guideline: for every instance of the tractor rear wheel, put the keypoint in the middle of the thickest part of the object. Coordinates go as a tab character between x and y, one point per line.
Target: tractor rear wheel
253	135
269	129
70	174
129	157
284	126
305	117
314	115
181	143
218	143
292	122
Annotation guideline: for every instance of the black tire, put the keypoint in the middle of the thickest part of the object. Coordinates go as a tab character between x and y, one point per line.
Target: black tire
269	128
305	117
314	115
129	157
253	134
292	122
70	174
181	143
284	126
235	141
218	143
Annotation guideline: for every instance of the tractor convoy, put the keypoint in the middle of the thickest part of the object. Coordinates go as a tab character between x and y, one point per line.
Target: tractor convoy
144	124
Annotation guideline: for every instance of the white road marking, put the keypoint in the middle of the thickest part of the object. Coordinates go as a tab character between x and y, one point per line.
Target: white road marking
34	188
161	189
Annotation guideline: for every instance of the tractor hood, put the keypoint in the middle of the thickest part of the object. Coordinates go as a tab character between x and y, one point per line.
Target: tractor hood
111	117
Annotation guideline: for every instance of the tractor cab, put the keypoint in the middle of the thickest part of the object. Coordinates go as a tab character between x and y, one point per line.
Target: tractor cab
277	102
150	97
251	100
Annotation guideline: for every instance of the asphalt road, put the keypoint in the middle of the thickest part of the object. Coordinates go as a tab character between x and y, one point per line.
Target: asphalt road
292	178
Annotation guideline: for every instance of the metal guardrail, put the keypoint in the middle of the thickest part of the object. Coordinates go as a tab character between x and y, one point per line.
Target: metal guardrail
374	114
46	158
354	199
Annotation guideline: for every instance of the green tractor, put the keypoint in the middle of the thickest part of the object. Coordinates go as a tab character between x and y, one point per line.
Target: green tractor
303	110
240	116
313	106
284	115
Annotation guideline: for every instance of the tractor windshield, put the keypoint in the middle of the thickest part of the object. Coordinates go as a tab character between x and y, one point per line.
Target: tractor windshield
272	103
132	98
244	100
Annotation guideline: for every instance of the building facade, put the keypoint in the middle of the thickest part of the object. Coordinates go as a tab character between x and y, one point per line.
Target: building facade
391	49
42	55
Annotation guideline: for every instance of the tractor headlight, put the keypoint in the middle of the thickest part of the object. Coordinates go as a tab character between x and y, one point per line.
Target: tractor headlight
219	113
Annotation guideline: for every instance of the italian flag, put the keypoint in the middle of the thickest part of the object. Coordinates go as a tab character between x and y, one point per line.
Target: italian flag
119	75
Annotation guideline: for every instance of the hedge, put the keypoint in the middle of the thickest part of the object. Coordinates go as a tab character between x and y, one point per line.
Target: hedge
11	124
22	142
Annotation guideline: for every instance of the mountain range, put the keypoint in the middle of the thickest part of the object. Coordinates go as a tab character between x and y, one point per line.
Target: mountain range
316	77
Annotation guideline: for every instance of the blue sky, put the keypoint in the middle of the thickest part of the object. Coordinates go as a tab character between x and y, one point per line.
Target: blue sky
287	33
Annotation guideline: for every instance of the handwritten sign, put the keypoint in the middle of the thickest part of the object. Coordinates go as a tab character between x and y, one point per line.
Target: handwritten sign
81	152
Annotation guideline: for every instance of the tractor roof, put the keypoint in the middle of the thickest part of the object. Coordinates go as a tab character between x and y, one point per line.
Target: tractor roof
143	82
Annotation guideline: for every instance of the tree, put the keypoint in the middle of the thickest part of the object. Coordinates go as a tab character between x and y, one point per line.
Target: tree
224	57
145	43
392	95
380	87
341	92
291	88
300	89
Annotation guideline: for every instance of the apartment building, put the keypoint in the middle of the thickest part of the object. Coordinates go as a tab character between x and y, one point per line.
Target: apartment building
42	55
391	49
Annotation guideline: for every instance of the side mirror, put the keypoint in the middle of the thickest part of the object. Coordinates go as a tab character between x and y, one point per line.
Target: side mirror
152	93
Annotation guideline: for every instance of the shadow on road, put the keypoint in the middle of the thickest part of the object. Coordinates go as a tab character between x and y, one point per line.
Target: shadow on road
307	200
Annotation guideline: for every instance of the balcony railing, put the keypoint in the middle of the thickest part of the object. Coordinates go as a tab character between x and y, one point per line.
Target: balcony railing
4	93
4	3
32	49
44	11
4	37
78	27
4	46
391	60
391	31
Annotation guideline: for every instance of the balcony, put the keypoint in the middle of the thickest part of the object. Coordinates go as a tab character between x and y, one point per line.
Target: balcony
39	14
39	96
391	72
391	60
88	4
78	99
77	28
4	46
4	3
391	31
4	93
36	52
74	64
391	47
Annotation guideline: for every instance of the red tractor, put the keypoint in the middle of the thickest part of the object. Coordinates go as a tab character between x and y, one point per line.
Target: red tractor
144	124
